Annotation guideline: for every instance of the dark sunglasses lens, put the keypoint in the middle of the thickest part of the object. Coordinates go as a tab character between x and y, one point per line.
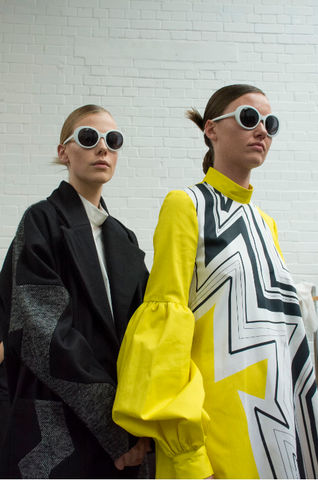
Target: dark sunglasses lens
114	140
272	125
249	117
87	137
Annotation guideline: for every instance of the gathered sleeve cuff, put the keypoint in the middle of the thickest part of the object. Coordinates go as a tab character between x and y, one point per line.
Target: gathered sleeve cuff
193	463
160	391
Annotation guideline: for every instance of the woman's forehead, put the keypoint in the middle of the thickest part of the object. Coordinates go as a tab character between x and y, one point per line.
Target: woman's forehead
102	121
256	100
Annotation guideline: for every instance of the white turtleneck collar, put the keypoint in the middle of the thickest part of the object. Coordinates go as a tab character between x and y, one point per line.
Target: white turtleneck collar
95	215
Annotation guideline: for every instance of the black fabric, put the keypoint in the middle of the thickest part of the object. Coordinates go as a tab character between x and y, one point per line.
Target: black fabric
4	415
61	341
3	389
3	384
4	399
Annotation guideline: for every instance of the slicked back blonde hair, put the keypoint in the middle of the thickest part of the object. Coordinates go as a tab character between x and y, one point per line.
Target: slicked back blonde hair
74	117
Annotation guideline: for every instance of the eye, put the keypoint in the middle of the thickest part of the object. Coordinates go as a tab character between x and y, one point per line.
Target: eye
87	137
114	140
249	117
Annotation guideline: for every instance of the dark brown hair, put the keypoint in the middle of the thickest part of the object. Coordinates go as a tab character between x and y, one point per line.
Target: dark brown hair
214	108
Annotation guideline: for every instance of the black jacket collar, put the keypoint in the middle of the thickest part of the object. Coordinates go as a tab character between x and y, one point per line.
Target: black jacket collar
125	261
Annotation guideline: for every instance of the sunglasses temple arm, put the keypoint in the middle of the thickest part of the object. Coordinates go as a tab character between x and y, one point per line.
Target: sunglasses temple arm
68	139
223	116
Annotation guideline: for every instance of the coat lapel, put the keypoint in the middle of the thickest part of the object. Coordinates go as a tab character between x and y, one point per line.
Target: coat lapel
126	270
81	246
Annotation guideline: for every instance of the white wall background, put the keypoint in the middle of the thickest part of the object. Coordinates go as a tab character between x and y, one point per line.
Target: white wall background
148	61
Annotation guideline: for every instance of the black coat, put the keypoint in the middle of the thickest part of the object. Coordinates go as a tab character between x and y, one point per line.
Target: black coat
61	341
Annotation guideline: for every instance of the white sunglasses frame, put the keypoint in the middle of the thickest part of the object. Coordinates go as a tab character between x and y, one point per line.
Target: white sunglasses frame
100	135
237	114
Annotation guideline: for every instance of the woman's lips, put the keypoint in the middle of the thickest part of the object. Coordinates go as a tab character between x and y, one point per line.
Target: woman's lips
101	164
258	146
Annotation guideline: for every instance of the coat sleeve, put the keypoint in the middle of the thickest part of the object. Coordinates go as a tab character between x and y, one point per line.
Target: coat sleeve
38	314
160	392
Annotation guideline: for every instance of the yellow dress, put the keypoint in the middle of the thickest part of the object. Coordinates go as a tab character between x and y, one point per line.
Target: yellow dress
215	364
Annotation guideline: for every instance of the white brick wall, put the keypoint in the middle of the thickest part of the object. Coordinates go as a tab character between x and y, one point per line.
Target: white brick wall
148	61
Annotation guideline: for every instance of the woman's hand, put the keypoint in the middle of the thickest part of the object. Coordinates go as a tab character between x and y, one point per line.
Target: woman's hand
135	455
1	352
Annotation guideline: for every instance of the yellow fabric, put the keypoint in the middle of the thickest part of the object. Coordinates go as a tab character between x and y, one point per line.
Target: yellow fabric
229	188
165	356
242	195
160	389
273	228
228	444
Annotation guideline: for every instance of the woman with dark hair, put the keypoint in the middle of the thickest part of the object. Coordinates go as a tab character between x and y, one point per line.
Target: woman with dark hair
71	280
215	364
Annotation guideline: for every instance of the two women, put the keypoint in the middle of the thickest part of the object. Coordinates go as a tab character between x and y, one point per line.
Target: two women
215	364
71	280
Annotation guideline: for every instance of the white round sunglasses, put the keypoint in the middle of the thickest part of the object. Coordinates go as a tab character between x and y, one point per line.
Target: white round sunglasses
248	117
88	137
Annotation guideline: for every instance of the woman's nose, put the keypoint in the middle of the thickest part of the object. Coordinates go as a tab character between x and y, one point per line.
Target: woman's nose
261	129
102	145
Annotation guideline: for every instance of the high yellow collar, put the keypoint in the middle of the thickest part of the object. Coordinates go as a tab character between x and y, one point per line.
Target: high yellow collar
229	188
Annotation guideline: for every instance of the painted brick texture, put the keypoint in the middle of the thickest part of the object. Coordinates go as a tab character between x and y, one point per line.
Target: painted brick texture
148	61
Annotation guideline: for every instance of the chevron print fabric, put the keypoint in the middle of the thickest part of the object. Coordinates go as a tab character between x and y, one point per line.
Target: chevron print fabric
258	349
218	348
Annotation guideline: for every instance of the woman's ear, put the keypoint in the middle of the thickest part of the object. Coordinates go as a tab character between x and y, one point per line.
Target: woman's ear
210	130
62	153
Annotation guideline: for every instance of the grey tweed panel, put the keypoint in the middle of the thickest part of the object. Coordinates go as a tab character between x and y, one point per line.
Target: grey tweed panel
143	471
37	309
56	444
16	320
41	307
18	245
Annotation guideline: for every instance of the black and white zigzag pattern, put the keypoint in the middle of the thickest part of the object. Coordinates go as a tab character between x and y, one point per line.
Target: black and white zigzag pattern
257	317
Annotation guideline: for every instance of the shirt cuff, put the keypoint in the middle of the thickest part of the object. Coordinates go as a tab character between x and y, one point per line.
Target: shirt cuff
194	464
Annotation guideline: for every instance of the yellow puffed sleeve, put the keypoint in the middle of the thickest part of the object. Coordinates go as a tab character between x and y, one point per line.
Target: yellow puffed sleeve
160	390
273	228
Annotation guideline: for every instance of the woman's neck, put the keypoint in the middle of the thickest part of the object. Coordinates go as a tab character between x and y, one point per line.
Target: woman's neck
239	176
92	193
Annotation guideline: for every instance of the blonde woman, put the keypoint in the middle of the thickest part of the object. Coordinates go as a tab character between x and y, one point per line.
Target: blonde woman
71	280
